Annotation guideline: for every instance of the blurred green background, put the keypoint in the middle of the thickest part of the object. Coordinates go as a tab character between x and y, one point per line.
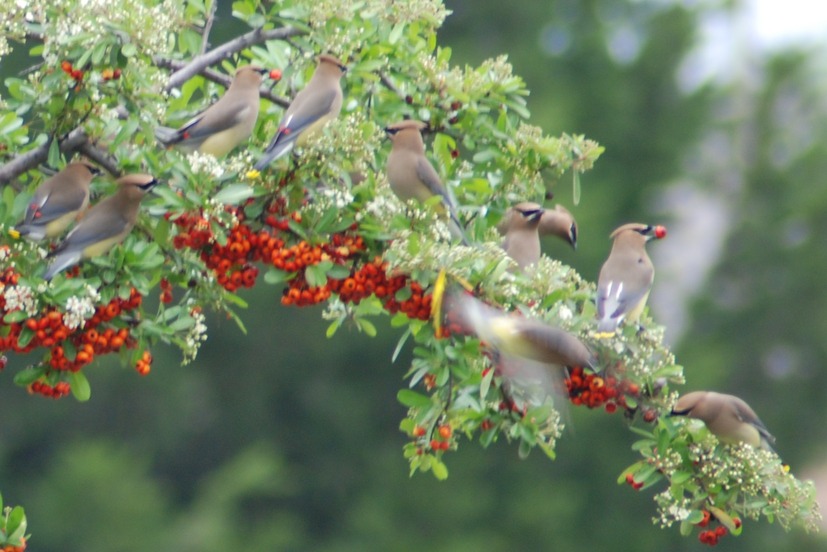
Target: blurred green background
284	440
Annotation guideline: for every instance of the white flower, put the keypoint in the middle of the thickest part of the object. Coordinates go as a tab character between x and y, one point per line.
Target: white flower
20	298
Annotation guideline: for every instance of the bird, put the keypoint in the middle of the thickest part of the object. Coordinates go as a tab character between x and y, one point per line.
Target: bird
519	336
316	104
559	222
626	277
522	240
412	176
225	124
103	226
57	202
727	416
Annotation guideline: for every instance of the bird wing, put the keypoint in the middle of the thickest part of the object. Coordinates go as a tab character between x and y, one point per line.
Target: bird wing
428	175
219	116
99	224
54	204
615	298
554	345
748	415
302	113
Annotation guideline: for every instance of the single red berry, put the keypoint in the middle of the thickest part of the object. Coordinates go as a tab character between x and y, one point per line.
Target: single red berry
66	65
435	445
705	521
275	74
445	432
720	531
418	431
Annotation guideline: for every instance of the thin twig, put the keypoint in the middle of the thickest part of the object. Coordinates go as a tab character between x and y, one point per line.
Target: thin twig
386	81
22	163
199	63
220	78
205	35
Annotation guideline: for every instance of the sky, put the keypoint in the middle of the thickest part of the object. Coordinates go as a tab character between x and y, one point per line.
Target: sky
780	22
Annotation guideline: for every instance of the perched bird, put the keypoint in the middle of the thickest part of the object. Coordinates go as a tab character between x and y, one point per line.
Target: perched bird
559	222
57	202
522	241
311	109
412	176
554	222
727	416
626	277
518	336
103	226
226	123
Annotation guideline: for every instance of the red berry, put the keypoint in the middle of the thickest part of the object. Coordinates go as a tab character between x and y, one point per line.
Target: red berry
275	74
435	445
445	432
66	65
418	431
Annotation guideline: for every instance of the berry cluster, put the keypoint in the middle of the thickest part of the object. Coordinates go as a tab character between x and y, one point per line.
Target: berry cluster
636	485
441	440
73	72
233	261
594	391
11	548
712	536
69	348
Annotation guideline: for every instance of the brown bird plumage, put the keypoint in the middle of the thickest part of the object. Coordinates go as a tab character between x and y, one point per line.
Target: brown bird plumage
311	109
225	124
522	240
412	176
103	226
727	416
626	277
57	202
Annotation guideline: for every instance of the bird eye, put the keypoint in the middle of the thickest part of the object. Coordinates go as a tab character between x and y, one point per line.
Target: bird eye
646	230
391	131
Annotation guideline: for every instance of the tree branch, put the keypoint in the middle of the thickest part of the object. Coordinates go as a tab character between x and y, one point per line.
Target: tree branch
219	78
100	157
205	36
199	63
32	158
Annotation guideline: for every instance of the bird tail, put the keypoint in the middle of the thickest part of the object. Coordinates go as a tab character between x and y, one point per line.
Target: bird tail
60	262
279	148
167	136
606	328
31	232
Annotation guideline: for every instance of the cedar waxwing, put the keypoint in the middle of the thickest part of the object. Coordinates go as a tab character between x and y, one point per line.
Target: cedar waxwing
518	336
626	277
559	222
311	109
412	176
57	202
226	123
727	416
522	242
103	226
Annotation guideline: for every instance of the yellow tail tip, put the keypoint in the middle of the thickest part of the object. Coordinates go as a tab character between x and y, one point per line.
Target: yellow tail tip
605	335
14	234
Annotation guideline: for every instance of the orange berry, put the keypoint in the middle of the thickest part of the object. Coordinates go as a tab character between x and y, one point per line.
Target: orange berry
445	432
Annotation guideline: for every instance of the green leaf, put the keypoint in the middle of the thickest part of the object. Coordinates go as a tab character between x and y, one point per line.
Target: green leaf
234	194
413	399
29	375
54	153
366	326
334	326
275	276
80	386
440	470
